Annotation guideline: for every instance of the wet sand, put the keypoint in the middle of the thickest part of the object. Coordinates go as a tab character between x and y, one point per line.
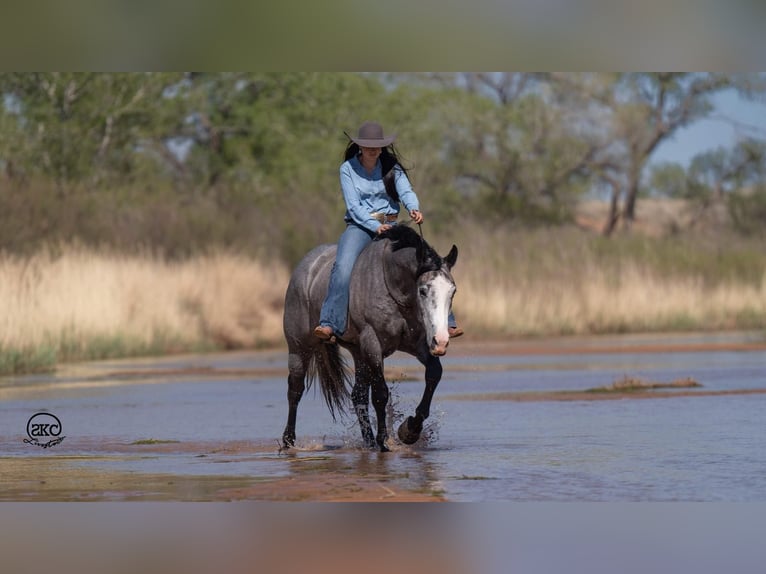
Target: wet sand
315	475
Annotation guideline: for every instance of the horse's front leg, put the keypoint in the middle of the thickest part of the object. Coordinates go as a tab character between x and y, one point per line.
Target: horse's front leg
410	429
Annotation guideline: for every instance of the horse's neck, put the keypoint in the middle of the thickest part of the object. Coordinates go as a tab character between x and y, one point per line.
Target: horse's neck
399	268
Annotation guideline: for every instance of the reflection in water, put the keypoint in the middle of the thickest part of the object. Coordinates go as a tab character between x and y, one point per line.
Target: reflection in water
401	467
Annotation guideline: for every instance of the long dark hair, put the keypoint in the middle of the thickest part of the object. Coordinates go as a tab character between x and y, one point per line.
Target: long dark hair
389	159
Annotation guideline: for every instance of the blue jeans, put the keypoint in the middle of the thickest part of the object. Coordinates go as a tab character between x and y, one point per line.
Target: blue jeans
334	312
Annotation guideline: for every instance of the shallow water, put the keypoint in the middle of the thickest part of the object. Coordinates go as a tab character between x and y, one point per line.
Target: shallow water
227	413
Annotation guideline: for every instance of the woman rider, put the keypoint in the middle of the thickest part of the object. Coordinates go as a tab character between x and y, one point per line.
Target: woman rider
374	183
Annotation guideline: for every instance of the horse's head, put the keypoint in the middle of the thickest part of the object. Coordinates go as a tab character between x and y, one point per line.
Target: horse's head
435	290
434	286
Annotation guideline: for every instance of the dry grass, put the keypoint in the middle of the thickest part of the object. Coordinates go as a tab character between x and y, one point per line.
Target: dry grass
74	303
77	300
560	283
592	300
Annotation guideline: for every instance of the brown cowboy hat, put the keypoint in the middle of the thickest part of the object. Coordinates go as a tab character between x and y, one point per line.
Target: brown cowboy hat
370	134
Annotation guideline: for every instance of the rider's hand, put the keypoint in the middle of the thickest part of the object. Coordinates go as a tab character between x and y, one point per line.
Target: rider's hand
384	227
416	216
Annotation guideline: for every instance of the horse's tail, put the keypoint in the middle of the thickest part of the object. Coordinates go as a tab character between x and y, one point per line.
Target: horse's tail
328	365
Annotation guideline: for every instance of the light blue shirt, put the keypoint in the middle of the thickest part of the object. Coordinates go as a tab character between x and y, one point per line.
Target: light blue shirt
365	193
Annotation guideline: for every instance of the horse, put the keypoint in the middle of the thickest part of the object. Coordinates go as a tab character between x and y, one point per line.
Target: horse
400	295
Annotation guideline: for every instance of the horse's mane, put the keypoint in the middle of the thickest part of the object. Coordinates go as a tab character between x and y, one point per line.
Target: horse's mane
402	236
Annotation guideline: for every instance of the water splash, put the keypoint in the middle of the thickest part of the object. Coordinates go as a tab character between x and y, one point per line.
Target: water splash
399	408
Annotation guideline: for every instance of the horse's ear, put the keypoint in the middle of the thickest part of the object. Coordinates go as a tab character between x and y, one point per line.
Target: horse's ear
451	257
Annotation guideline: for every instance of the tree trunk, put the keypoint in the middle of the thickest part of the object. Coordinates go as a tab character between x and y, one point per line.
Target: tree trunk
629	211
614	211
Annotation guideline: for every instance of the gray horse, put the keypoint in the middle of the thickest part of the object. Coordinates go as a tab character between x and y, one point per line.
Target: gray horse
400	295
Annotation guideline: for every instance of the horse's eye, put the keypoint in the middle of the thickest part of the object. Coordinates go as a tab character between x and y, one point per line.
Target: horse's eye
423	291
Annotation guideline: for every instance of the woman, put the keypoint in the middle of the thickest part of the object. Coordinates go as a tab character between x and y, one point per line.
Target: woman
374	183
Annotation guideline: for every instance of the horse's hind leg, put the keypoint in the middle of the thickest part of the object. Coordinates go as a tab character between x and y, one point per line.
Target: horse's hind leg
360	396
296	384
409	431
380	402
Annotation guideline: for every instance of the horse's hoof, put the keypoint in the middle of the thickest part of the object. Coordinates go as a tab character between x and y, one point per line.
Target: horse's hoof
409	430
382	440
369	443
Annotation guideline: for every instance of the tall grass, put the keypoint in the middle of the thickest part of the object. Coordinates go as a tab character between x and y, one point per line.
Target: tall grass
570	282
75	303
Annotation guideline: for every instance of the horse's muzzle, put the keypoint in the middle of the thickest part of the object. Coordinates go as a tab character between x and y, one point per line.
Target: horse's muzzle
438	349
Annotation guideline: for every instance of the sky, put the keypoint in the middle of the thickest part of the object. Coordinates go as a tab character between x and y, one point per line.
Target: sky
717	131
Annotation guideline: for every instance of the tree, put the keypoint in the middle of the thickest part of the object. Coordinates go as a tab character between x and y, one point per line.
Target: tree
735	177
715	178
669	179
723	170
271	143
84	127
518	146
648	108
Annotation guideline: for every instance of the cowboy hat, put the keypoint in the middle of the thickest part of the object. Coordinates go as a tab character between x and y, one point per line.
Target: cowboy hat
370	134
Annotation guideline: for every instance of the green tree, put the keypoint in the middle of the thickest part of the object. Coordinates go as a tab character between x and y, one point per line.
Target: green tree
733	177
669	179
720	177
724	170
267	148
85	127
520	150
